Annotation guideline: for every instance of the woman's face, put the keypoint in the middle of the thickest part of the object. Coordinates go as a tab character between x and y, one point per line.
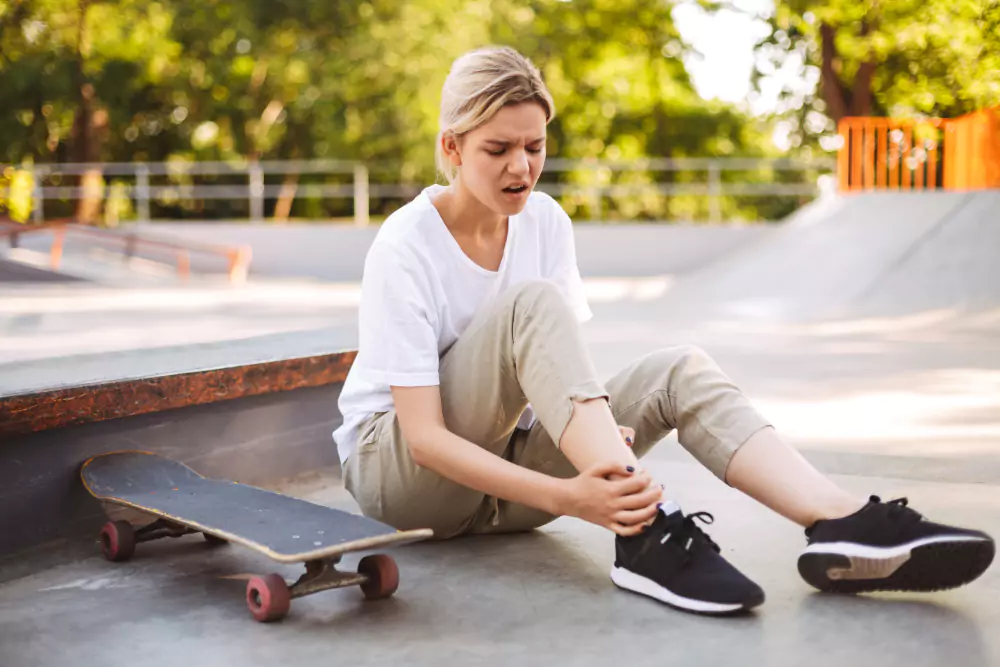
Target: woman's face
502	159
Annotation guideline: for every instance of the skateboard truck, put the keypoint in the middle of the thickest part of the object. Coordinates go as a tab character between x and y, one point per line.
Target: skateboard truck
269	596
118	538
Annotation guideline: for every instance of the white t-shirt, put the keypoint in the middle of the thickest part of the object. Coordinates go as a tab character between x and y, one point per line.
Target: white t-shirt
420	291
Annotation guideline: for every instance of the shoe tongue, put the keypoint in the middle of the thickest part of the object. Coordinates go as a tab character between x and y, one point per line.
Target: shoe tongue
670	507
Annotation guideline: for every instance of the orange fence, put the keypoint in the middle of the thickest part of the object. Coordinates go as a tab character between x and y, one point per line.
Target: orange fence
889	154
972	151
237	258
894	154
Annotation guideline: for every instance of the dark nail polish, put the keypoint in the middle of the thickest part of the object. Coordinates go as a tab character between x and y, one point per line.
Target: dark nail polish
630	469
659	505
628	441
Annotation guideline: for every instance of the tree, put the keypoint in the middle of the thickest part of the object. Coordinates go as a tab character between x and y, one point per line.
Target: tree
884	58
142	80
75	69
616	71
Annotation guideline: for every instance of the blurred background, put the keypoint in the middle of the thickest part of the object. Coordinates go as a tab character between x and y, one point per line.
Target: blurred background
220	168
288	110
176	174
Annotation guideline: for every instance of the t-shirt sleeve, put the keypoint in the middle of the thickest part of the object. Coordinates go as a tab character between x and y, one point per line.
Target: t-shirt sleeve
563	269
397	321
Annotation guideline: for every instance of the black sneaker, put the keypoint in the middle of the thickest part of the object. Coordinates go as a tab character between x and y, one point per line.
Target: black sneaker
890	547
675	562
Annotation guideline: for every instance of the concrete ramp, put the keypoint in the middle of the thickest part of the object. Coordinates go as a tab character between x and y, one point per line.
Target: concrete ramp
954	266
16	272
336	252
862	255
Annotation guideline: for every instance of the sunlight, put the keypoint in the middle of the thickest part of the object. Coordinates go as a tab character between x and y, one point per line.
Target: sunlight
608	290
946	407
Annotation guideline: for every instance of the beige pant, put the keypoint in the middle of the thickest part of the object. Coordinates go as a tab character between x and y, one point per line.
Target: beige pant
528	347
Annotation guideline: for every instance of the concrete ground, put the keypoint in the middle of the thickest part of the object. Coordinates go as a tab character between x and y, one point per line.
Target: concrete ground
914	412
536	599
901	405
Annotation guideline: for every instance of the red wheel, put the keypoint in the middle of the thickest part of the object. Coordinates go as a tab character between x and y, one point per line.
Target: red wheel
383	576
117	540
268	597
213	540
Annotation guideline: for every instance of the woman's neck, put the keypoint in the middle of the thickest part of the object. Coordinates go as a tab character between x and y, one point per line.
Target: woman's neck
465	215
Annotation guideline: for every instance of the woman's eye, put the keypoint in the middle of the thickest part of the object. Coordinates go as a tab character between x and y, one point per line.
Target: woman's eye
501	151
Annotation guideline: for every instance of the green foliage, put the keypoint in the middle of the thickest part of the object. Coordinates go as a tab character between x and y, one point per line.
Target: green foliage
280	79
16	186
938	58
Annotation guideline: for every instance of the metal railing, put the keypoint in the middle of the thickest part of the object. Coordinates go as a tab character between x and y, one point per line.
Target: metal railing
593	180
237	257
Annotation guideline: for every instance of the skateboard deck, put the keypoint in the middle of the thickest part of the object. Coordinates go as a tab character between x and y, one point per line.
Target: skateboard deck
286	529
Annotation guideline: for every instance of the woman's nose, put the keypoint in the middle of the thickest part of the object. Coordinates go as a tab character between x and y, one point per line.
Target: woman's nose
519	163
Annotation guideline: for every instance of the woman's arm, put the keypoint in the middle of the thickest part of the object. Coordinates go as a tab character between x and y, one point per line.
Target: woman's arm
589	496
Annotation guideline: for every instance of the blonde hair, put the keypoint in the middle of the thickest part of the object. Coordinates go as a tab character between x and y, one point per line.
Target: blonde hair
481	83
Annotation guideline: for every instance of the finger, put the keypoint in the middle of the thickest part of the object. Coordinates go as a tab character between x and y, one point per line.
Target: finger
606	468
627	531
633	484
640	500
627	434
632	517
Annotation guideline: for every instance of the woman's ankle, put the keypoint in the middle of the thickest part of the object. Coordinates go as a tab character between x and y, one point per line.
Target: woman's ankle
837	508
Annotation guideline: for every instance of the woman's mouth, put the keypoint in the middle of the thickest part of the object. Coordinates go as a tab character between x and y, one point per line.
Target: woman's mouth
516	190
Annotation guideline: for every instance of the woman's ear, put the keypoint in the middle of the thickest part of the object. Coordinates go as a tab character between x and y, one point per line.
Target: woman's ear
450	144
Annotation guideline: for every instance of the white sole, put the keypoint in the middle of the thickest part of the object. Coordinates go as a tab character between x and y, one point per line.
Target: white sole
639	584
854	550
928	564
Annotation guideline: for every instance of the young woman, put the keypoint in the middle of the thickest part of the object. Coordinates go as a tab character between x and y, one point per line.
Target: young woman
473	407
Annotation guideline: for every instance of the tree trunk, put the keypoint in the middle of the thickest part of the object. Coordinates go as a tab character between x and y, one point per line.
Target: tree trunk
86	122
843	100
286	197
861	95
861	91
86	148
833	89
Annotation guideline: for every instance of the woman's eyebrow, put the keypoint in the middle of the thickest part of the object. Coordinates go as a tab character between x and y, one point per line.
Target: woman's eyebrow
500	142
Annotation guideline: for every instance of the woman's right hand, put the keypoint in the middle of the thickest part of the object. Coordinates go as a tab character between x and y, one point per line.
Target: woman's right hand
623	505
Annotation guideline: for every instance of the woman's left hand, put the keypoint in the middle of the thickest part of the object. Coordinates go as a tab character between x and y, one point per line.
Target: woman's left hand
628	435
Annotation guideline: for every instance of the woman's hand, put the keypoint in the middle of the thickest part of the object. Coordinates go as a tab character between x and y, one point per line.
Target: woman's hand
628	435
621	505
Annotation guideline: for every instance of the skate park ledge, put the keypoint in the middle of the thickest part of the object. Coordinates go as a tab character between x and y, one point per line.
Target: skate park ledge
256	423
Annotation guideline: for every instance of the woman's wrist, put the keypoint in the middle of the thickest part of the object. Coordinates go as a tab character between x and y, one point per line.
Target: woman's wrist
558	497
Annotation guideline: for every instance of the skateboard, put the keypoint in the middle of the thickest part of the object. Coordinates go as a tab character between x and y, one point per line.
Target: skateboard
283	528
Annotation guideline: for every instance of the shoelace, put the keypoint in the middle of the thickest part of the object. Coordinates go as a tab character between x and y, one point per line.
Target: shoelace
898	508
690	531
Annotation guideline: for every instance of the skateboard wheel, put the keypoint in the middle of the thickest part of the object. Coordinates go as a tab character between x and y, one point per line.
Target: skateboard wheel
117	540
268	597
383	576
213	540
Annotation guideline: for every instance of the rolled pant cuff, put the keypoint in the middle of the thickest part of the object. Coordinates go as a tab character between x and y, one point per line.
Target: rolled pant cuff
722	457
556	417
